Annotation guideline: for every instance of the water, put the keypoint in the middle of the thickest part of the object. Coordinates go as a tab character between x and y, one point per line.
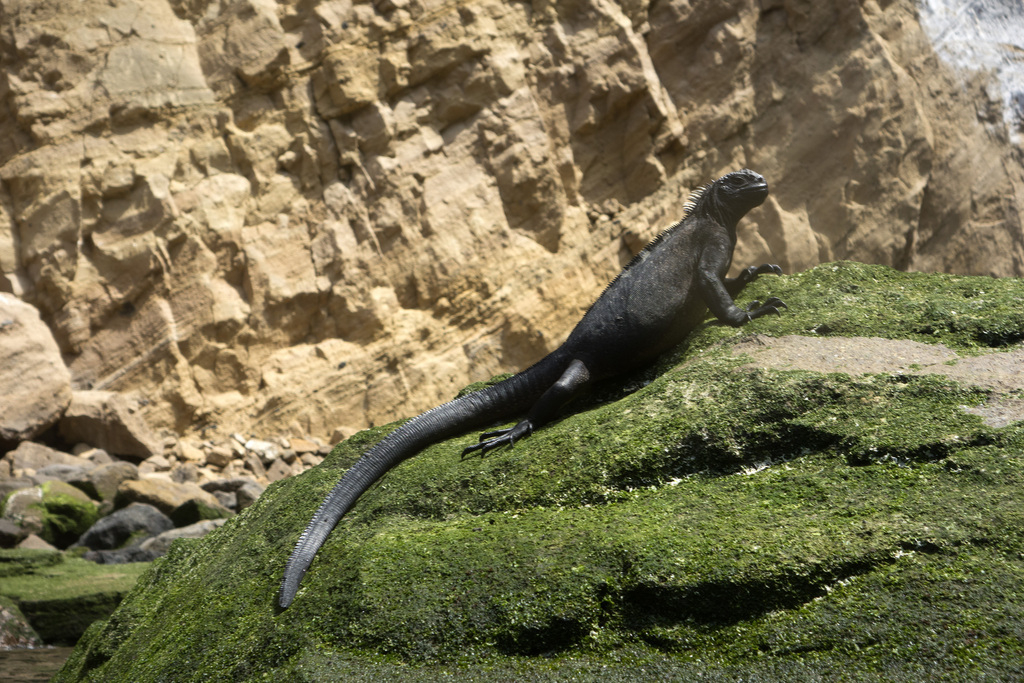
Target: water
983	35
32	666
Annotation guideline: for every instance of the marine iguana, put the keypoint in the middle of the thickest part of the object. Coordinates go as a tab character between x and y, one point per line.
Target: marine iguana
657	299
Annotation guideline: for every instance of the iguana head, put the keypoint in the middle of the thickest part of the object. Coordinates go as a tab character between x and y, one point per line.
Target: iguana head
730	197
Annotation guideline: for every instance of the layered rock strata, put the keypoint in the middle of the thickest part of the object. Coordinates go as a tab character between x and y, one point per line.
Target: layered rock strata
295	218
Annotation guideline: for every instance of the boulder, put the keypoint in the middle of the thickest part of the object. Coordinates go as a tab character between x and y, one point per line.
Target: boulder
707	517
61	595
164	495
23	508
8	486
160	544
139	521
76	475
10	533
120	556
67	513
34	456
36	384
227	498
194	510
104	419
15	631
248	494
106	479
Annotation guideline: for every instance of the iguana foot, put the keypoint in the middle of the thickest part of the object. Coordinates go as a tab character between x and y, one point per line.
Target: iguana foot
756	309
751	273
500	437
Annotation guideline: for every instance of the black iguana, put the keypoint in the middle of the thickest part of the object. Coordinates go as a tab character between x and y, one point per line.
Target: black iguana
663	294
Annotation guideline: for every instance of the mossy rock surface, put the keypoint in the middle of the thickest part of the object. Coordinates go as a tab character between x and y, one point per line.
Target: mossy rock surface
703	517
67	513
61	595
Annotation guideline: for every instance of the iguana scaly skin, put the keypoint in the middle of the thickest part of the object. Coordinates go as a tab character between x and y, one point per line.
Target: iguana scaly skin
663	294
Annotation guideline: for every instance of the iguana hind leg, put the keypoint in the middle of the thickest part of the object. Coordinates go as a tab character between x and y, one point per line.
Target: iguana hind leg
572	381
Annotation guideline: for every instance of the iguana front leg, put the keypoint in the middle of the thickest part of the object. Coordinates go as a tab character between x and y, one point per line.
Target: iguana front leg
718	292
735	285
572	381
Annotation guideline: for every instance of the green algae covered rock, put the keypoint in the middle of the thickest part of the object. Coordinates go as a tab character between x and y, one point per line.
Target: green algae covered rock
745	508
60	596
58	512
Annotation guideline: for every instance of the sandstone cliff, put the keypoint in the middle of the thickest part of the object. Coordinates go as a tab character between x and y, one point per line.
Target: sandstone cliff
294	216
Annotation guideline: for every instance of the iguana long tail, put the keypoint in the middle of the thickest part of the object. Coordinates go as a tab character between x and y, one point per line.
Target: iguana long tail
506	399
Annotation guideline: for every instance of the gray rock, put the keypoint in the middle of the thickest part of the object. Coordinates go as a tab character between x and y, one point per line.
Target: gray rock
120	556
248	494
185	473
105	479
24	508
11	534
35	456
76	475
161	544
115	529
231	484
11	485
228	499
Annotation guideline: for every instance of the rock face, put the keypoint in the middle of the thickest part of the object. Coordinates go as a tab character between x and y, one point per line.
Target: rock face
758	509
308	217
36	384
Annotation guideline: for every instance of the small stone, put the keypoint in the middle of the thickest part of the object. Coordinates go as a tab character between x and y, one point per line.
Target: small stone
301	446
311	460
278	470
267	451
228	499
191	453
187	472
255	465
219	456
341	434
156	463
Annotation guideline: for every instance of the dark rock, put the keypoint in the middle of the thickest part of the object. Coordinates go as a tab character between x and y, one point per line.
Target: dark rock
11	534
120	556
230	484
139	520
195	510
